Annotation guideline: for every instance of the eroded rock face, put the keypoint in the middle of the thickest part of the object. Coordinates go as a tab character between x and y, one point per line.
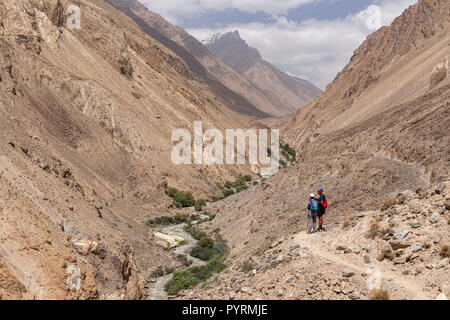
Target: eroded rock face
439	73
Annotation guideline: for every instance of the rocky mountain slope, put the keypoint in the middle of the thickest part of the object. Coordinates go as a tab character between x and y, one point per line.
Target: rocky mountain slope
290	93
264	100
403	251
86	121
380	128
397	69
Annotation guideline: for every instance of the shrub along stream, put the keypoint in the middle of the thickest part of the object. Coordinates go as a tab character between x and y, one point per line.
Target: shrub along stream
213	251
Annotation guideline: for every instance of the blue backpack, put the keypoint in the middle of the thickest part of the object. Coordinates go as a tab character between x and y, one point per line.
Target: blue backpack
314	206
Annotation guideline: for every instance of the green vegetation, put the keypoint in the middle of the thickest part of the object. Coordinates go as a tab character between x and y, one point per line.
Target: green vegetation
207	249
242	183
212	103
167	220
242	188
239	182
227	192
218	185
199	204
289	153
184	260
182	199
200	235
159	272
185	279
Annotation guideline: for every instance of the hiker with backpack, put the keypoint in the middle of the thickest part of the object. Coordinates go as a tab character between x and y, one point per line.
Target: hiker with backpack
323	204
313	210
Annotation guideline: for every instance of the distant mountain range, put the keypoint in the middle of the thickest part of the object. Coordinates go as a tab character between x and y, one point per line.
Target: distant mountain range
257	84
288	92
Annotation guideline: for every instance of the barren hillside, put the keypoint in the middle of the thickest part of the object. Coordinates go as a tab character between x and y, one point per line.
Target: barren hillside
86	120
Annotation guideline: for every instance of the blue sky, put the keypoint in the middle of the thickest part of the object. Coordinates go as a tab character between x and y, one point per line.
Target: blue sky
311	39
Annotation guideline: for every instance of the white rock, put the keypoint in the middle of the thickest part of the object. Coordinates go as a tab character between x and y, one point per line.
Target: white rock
165	239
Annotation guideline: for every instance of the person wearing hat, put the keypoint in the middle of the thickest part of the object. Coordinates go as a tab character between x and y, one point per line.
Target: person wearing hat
323	203
313	210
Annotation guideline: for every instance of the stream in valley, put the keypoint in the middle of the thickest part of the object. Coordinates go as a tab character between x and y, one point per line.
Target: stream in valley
156	290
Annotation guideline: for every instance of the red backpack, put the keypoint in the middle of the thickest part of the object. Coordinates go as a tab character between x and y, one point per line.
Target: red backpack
325	203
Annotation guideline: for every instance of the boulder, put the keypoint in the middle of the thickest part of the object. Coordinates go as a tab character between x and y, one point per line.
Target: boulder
441	296
84	246
400	260
246	290
435	218
386	252
347	273
401	234
399	244
166	240
447	204
439	188
415	225
354	296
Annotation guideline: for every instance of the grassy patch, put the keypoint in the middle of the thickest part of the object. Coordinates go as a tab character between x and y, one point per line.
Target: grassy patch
444	250
184	260
158	272
248	265
379	294
168	220
241	188
207	249
227	192
387	204
264	247
199	204
182	199
190	277
289	153
212	103
374	228
347	222
161	271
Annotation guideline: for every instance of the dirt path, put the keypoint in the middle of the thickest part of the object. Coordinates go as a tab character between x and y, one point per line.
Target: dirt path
411	288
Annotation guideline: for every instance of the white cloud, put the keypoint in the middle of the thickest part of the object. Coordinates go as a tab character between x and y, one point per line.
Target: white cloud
175	10
315	50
